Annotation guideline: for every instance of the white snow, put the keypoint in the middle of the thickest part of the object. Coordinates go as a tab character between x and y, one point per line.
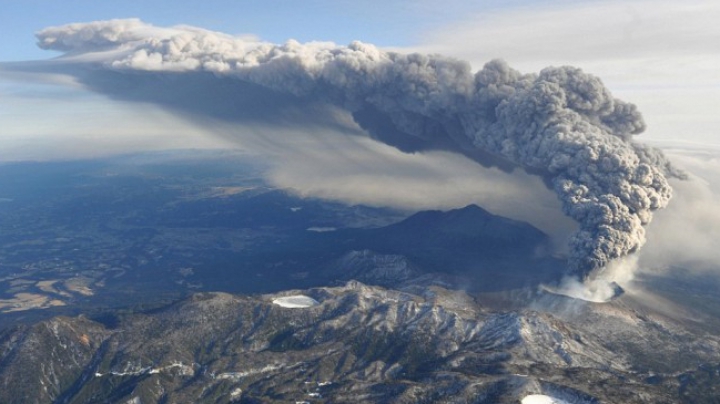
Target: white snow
237	392
185	370
295	302
235	376
542	399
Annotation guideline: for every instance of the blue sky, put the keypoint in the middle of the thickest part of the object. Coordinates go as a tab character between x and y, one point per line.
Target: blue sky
382	22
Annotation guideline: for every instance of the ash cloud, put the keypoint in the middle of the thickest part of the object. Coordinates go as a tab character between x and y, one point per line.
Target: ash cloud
685	235
561	124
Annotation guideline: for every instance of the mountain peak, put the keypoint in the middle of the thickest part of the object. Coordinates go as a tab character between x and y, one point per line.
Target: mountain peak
470	220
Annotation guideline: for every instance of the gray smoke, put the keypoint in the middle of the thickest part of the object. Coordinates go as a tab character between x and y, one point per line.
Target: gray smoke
561	124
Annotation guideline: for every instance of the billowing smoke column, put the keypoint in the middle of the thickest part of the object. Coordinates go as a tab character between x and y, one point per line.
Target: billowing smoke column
561	124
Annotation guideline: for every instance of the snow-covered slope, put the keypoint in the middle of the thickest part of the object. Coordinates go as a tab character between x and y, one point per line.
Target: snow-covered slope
359	344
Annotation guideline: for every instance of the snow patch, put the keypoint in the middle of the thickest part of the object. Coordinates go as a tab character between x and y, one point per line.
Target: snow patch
236	376
237	393
185	370
296	302
542	399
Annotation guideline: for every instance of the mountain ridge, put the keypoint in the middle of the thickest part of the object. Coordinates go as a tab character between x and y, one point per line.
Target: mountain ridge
360	343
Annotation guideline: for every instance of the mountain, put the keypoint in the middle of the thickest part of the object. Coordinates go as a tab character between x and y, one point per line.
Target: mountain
189	279
147	229
471	222
471	243
361	344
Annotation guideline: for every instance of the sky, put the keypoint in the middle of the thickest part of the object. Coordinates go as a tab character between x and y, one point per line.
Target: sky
661	55
34	125
384	23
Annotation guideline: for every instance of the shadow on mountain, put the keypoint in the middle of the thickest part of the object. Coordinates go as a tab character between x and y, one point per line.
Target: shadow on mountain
489	252
466	248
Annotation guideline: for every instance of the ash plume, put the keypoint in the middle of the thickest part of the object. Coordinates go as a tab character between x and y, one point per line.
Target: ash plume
561	124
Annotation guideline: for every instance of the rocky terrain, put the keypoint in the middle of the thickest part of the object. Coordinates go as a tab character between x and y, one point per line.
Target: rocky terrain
361	344
176	279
